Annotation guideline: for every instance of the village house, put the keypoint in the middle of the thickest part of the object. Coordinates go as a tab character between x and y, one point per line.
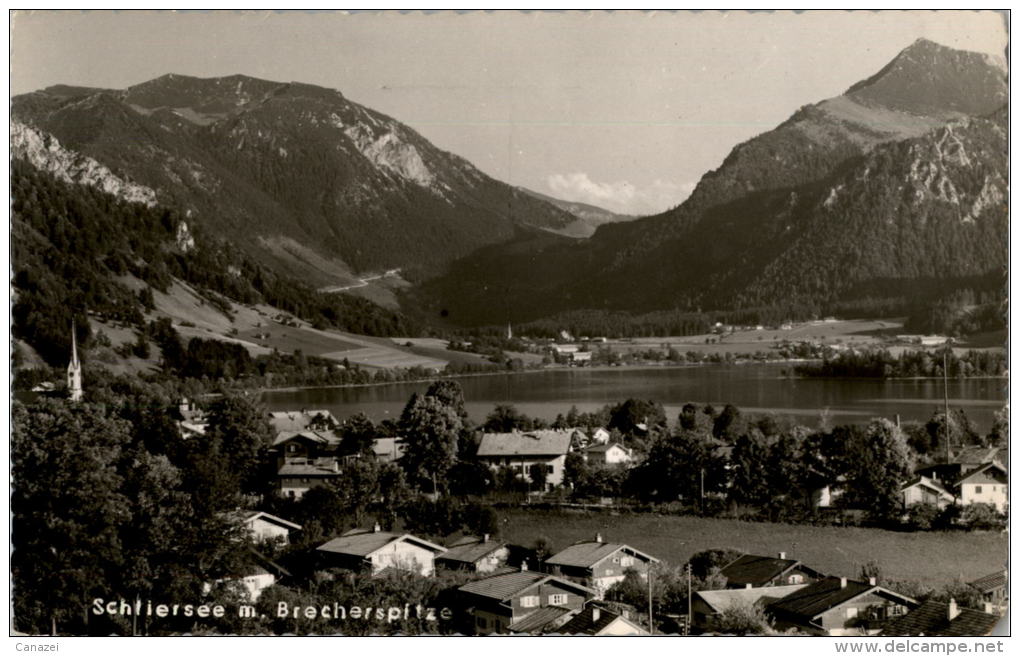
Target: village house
521	451
299	420
839	607
296	477
597	621
373	550
925	490
935	618
750	571
986	484
521	602
607	454
597	564
994	589
262	526
302	445
256	574
599	436
474	554
388	449
708	605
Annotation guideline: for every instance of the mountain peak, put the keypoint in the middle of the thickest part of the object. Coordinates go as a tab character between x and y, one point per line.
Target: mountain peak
928	78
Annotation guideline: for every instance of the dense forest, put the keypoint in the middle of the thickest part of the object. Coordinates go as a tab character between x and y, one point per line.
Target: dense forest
75	249
879	363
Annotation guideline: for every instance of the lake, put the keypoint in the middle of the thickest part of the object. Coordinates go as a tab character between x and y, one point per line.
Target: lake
754	388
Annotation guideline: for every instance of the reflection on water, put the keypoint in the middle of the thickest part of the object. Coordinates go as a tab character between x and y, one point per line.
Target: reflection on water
753	388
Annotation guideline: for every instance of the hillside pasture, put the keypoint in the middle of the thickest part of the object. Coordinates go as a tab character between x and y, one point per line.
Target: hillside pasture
933	558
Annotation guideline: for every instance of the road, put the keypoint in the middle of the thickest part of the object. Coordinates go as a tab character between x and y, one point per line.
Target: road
362	282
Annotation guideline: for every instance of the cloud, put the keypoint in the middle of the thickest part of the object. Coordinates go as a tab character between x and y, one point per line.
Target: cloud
621	196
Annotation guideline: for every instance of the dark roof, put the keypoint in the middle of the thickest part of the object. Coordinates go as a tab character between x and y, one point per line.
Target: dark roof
362	542
756	570
932	619
582	624
990	582
586	554
823	595
297	420
505	586
976	455
531	443
470	551
535	622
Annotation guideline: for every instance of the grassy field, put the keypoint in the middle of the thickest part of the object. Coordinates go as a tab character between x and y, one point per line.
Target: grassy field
932	558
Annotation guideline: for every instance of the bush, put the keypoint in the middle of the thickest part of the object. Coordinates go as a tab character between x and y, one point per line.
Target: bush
922	516
981	517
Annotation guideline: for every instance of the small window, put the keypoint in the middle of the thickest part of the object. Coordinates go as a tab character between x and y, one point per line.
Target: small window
796	578
610	572
616	560
896	610
557	600
851	613
483	622
627	561
529	601
977	489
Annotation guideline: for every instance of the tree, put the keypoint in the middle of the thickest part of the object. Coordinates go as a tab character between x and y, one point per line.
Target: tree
470	477
922	516
748	463
981	517
430	429
878	462
676	466
575	470
629	416
726	425
357	435
538	473
742	619
239	430
506	418
68	511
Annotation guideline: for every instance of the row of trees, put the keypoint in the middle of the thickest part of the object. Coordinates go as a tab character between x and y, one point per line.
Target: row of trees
879	363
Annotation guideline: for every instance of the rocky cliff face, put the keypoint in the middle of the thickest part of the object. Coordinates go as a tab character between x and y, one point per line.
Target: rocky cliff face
296	173
45	153
895	186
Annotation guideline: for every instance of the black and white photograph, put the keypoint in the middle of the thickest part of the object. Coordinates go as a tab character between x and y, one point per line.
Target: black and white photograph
509	323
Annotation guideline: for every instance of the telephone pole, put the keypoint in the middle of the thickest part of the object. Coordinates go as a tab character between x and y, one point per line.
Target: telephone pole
945	392
651	622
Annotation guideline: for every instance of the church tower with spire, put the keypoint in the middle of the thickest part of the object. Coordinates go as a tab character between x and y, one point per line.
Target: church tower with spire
74	390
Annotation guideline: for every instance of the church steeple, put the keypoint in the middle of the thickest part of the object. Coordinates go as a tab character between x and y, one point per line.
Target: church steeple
74	390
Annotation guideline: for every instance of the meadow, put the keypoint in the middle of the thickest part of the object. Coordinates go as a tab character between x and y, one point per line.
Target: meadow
929	557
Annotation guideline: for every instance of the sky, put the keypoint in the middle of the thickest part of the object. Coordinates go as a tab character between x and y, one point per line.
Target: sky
623	110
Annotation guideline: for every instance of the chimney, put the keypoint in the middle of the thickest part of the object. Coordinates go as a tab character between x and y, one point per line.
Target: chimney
782	555
842	582
524	566
954	610
596	613
598	537
748	586
376	528
872	580
485	538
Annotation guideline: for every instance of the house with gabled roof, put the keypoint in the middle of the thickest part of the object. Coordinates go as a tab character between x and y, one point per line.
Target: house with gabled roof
597	564
994	589
303	444
607	454
521	602
373	550
520	451
263	526
839	607
597	621
295	477
752	571
988	483
474	554
925	490
708	605
935	618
